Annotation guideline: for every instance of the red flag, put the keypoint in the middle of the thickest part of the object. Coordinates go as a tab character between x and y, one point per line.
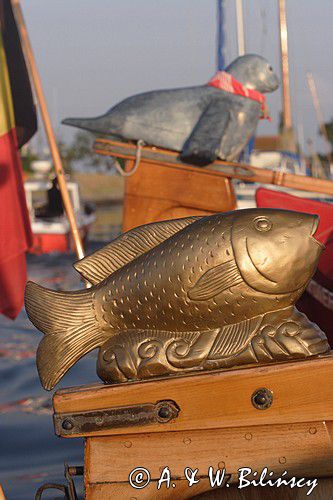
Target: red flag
17	117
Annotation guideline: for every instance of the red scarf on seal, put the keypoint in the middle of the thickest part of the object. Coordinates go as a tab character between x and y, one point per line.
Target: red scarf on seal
225	81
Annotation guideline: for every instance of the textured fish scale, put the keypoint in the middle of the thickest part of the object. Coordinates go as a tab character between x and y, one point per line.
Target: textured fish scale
128	299
146	285
127	247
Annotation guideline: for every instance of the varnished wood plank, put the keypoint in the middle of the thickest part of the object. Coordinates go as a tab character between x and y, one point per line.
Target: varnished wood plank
201	189
122	491
302	391
159	192
139	210
323	491
301	449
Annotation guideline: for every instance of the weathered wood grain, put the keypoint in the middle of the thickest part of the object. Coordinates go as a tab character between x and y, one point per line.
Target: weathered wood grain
302	392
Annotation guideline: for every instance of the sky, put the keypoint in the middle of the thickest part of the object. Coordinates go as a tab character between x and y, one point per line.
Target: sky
93	53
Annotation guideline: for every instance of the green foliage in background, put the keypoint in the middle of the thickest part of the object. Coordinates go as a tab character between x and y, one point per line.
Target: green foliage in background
329	131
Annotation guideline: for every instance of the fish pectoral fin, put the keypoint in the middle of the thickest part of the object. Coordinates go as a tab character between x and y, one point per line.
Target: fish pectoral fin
127	247
215	281
232	339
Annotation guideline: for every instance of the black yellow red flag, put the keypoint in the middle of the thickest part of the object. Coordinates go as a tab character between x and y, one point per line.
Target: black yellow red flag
17	125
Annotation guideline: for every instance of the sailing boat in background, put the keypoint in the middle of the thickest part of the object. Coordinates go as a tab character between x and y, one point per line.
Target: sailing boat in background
317	301
281	152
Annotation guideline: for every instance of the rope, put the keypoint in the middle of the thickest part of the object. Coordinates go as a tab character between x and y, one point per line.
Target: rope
121	171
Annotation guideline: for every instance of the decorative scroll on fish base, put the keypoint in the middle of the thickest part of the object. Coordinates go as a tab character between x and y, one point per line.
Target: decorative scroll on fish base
277	336
188	294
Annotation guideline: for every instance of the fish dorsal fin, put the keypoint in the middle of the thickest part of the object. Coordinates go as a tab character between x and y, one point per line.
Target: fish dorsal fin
215	281
127	247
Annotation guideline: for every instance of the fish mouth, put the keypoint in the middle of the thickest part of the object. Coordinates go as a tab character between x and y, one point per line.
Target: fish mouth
314	228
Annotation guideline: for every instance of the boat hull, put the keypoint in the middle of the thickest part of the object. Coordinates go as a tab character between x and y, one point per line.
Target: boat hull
45	243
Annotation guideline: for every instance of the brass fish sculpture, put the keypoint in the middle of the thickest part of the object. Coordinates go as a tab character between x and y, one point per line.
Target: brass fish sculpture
186	294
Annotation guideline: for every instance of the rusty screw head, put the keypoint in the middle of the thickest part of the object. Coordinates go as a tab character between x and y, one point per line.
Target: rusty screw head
67	424
164	413
262	399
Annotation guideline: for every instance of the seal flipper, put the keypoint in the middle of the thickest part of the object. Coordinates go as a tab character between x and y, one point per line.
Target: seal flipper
68	321
215	281
203	145
127	247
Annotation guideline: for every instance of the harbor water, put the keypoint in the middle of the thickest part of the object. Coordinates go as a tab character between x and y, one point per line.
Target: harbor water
30	453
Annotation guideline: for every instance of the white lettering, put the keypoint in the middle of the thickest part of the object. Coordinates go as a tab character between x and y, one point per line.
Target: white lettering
190	476
164	478
217	479
242	482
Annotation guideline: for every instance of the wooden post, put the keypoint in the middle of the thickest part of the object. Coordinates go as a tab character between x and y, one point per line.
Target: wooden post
287	136
29	56
2	495
240	28
287	120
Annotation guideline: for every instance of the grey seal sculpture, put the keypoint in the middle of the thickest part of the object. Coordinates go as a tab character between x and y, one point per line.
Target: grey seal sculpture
206	122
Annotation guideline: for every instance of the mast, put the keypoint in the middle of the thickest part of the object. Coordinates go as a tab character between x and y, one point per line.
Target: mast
30	59
287	119
240	28
220	36
319	113
288	142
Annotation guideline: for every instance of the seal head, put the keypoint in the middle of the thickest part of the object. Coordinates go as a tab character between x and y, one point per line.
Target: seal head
254	72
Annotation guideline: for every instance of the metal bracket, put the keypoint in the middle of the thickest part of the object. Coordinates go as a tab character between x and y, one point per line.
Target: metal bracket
68	490
67	424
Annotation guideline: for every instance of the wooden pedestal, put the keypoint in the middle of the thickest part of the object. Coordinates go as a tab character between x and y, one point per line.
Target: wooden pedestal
217	426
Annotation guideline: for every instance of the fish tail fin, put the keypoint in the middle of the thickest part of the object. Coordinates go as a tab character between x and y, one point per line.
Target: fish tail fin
71	330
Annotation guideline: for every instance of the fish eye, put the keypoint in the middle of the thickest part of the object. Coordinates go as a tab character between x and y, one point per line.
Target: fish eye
262	224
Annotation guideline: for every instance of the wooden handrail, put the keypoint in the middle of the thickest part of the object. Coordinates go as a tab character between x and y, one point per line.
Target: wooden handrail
240	171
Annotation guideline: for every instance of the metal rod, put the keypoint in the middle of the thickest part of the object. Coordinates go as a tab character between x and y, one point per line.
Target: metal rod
220	35
240	28
317	169
30	59
287	118
319	113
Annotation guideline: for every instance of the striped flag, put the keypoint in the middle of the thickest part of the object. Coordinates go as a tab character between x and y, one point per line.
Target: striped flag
17	125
